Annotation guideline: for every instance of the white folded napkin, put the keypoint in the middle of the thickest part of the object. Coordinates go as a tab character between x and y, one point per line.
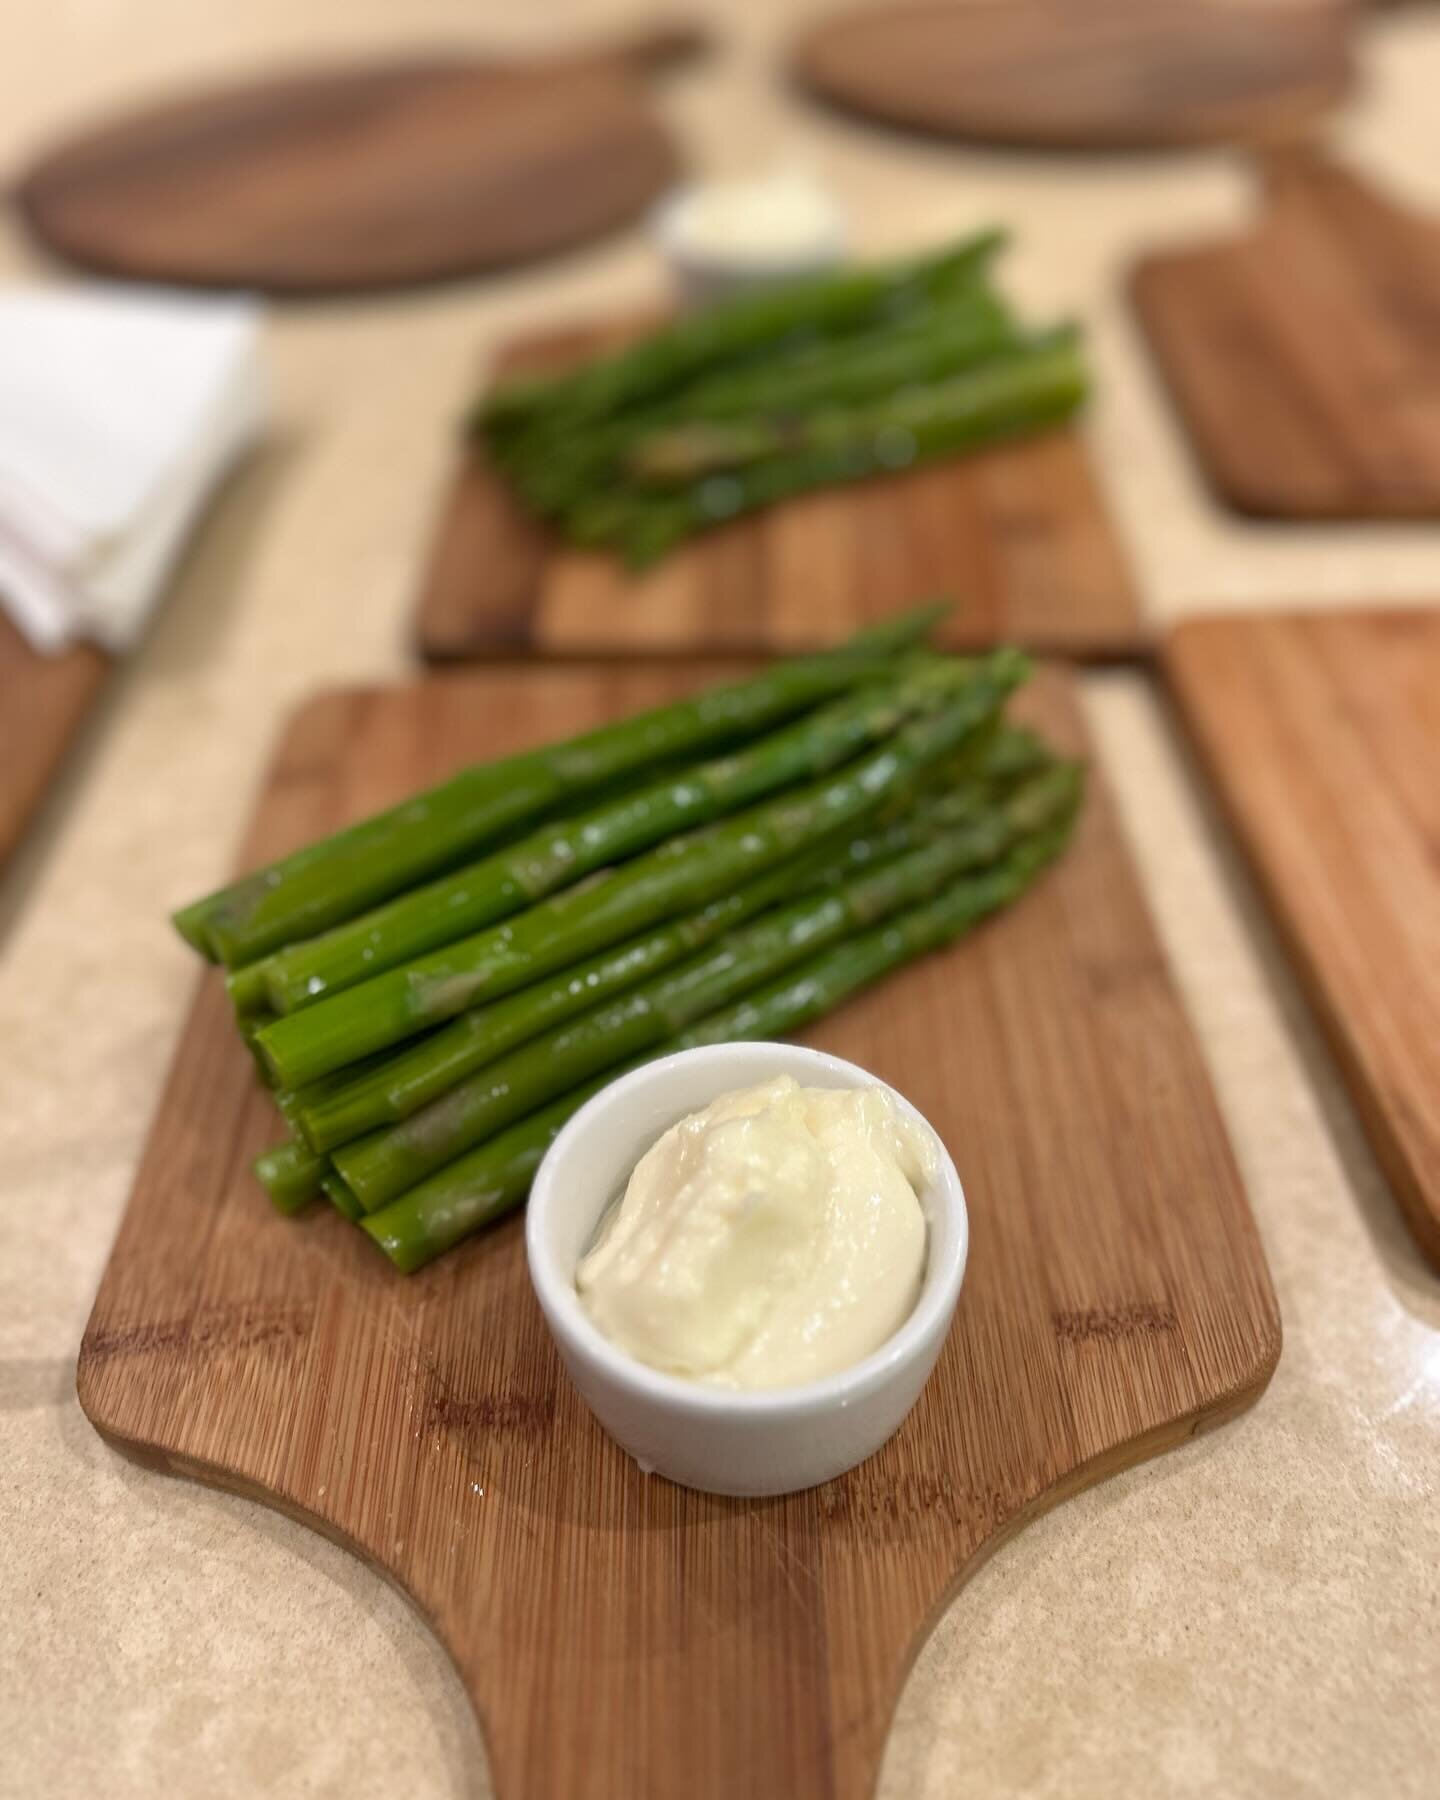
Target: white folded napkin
120	409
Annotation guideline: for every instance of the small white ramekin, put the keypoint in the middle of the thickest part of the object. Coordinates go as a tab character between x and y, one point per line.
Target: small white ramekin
706	270
723	1442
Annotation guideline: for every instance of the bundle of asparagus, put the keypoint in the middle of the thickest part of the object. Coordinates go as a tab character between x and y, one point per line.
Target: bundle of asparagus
761	397
433	992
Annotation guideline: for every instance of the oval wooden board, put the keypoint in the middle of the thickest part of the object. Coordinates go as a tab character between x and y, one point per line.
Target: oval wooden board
360	178
1305	356
1321	732
1020	537
1105	74
622	1637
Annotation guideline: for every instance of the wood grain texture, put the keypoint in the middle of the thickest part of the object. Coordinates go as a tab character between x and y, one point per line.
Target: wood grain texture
1305	356
362	177
1322	733
622	1637
1020	537
1105	74
44	701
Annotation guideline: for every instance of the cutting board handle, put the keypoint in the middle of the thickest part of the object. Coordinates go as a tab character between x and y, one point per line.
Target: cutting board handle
653	47
1289	164
1302	172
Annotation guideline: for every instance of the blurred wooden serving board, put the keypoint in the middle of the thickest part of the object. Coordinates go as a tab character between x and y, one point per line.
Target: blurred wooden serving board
1105	74
1304	356
1322	733
1019	537
621	1636
44	702
367	176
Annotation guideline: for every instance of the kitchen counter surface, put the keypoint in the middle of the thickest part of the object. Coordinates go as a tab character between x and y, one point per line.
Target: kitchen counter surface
1256	1614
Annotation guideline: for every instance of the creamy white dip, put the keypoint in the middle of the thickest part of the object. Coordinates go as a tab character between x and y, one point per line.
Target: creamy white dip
770	1239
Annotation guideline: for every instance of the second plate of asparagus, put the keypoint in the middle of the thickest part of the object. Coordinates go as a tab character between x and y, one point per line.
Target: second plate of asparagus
777	392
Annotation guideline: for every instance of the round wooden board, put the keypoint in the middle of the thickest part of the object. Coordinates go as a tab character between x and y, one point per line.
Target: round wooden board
354	179
1106	74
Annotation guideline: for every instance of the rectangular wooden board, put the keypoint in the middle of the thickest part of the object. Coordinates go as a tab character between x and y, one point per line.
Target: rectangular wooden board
1020	537
1322	734
1304	357
44	701
619	1635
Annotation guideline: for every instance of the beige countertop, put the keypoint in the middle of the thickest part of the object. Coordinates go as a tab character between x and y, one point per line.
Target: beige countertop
1257	1614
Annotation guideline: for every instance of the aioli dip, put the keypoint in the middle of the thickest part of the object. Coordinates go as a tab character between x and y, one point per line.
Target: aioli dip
770	1239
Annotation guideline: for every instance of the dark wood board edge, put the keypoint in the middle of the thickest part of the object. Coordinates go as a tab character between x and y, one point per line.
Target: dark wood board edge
1147	284
45	704
1150	283
1421	1211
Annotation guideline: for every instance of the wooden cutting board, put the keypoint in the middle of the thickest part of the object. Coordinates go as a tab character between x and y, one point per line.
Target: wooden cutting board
44	701
364	176
1322	733
1108	74
1305	356
620	1636
1020	537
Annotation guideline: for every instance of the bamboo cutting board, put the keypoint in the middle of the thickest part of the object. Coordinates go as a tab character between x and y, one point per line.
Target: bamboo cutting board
624	1639
1019	537
1322	733
44	701
1102	75
376	175
1305	356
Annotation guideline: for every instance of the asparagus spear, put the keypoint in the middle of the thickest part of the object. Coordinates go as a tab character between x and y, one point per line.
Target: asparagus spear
987	404
246	988
677	875
341	875
556	856
1009	391
479	1189
697	341
553	470
384	1165
287	1100
249	1029
492	1180
384	1090
965	329
346	1106
291	1174
340	1197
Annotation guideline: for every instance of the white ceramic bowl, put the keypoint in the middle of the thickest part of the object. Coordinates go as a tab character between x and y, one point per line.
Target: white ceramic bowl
708	267
770	1442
